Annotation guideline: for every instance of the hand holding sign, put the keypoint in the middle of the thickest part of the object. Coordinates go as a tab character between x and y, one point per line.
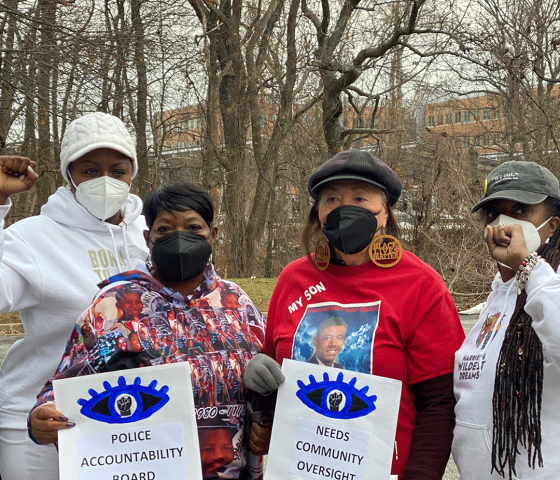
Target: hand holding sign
45	422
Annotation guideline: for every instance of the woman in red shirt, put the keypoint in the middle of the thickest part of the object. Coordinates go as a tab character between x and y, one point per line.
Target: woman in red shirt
362	303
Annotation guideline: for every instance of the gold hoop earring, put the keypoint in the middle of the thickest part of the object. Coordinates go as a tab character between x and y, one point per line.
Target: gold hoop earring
385	251
322	254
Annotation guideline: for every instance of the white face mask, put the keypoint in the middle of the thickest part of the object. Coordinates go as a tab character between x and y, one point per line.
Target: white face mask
102	197
530	232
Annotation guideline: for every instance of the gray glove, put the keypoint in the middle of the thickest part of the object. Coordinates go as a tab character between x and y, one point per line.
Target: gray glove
263	374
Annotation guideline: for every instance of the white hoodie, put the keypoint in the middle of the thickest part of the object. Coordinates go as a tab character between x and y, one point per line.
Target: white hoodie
475	368
50	267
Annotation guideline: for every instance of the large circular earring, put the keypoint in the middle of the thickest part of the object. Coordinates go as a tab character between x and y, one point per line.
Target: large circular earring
385	251
322	254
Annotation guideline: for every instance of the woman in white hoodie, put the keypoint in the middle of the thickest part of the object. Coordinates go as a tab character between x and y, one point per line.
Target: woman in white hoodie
507	372
51	265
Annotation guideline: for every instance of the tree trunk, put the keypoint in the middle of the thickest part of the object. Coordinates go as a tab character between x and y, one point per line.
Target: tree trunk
144	184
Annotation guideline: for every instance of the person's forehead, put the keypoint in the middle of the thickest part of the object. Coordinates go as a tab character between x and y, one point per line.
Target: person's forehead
507	204
178	215
98	155
353	185
501	203
332	328
214	436
131	295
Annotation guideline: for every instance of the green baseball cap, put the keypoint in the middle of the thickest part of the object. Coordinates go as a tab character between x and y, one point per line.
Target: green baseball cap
524	182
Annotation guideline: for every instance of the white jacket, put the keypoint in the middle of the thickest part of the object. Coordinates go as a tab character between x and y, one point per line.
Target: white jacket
475	367
49	271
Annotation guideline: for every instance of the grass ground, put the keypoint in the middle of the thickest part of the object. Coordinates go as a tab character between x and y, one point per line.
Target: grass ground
258	289
12	317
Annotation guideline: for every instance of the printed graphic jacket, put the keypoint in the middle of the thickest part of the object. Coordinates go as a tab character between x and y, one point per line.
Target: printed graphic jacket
135	321
401	323
49	271
475	370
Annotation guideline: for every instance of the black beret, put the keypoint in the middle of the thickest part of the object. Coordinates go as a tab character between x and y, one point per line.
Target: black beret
357	165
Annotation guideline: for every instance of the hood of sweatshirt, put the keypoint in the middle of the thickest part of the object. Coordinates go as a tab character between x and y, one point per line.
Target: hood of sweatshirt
63	208
145	280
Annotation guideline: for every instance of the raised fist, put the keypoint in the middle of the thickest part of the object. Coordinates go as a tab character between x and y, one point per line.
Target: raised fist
16	176
124	404
334	401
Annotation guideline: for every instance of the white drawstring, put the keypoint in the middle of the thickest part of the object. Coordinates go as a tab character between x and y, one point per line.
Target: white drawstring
115	252
126	254
128	261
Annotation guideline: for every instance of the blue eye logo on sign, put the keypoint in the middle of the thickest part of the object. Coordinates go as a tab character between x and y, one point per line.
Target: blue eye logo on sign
336	399
124	403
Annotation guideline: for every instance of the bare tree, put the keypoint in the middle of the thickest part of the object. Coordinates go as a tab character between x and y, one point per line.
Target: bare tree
511	52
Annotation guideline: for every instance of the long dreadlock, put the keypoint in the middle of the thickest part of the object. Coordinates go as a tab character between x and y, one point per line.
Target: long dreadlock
517	398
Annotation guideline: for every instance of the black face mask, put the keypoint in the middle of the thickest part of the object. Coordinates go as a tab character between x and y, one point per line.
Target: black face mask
350	229
180	256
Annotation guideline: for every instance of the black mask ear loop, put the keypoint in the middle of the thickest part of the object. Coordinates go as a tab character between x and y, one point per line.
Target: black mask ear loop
335	260
149	263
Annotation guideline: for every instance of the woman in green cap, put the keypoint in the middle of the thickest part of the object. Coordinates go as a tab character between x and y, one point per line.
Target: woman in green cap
507	372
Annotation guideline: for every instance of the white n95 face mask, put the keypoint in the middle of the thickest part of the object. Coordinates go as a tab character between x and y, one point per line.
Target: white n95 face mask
530	232
102	197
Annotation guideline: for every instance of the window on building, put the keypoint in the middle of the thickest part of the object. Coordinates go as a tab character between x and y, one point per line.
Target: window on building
189	124
467	141
486	114
440	120
496	139
475	115
457	117
448	118
476	141
195	123
495	113
414	123
467	116
486	140
430	121
275	118
309	120
264	121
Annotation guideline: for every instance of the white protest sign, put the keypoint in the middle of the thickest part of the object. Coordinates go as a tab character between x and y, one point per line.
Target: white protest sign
333	424
136	424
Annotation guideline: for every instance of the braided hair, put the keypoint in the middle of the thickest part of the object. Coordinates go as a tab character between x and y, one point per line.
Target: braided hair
517	398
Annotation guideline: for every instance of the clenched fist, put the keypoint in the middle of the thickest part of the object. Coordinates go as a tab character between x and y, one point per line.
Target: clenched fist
16	176
124	404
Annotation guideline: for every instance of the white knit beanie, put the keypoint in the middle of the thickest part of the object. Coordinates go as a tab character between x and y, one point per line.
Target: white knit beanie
92	131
